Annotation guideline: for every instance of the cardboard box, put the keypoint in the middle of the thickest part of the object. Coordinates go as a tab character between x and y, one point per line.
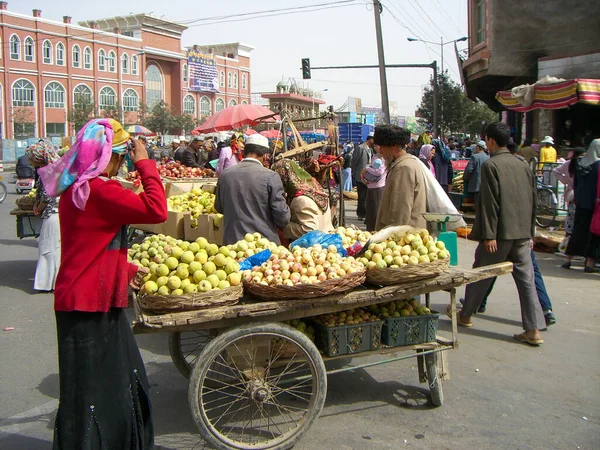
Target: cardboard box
206	228
181	187
173	226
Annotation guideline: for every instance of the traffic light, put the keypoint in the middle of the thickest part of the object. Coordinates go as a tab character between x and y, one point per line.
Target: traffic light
306	68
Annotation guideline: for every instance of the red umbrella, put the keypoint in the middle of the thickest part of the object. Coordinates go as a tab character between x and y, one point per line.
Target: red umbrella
236	117
271	134
250	132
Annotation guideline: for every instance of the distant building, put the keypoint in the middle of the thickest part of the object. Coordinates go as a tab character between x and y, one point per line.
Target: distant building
47	66
299	102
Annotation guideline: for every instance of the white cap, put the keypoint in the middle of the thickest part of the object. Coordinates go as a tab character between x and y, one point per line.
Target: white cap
181	138
176	141
257	139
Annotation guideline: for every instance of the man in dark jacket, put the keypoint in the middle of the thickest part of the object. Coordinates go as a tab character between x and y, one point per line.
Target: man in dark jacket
361	157
251	197
192	155
504	227
473	170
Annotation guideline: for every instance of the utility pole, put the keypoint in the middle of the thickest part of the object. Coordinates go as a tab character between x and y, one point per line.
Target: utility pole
441	134
436	97
385	105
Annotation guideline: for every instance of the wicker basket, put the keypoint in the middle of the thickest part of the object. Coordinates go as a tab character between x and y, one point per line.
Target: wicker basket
302	291
161	304
408	273
25	203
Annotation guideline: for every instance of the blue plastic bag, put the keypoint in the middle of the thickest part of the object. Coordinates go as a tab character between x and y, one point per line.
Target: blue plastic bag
255	260
318	237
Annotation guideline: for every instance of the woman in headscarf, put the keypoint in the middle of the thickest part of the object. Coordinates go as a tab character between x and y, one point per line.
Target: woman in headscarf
566	175
583	242
426	156
104	399
40	155
231	155
308	202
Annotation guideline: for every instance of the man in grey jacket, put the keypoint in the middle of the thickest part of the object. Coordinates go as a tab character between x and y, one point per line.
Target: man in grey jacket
360	158
251	197
504	227
473	170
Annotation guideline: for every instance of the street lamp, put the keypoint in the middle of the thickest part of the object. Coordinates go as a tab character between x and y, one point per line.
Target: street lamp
313	107
441	44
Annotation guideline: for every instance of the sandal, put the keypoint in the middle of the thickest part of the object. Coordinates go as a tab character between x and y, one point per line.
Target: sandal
458	319
588	269
566	265
525	339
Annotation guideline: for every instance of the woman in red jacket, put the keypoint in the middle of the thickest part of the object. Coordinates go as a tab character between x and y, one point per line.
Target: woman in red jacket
104	399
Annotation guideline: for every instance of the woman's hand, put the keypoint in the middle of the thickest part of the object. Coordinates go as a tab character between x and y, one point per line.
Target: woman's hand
38	208
139	151
136	283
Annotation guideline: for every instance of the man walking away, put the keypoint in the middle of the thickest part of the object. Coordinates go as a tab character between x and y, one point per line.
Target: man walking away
361	157
505	228
473	171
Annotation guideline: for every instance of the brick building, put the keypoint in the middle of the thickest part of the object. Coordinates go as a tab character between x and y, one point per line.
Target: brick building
47	66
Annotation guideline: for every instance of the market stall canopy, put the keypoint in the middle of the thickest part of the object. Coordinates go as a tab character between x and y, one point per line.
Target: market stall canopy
551	93
271	134
139	129
250	132
236	117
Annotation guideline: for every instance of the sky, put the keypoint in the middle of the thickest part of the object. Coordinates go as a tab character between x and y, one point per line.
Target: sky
336	34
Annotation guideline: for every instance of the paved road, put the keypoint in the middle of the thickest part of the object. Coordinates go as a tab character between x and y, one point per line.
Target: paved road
502	395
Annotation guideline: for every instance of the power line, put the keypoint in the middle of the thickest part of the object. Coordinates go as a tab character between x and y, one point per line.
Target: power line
445	13
397	6
427	15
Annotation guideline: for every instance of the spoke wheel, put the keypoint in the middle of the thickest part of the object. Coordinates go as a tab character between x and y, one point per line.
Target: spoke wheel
546	208
258	386
3	192
185	348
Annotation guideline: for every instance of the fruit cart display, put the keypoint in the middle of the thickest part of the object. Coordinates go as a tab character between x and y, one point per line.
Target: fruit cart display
261	380
28	224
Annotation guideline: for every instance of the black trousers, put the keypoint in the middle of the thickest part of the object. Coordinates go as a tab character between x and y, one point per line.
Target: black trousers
361	210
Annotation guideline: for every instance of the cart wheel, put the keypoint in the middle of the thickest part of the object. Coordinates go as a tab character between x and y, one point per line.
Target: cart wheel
258	386
185	348
435	384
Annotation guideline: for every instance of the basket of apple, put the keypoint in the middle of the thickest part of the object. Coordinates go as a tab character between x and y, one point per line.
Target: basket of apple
403	256
186	276
304	273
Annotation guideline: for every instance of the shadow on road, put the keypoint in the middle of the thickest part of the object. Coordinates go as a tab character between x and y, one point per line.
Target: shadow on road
20	442
49	386
18	275
446	325
23	242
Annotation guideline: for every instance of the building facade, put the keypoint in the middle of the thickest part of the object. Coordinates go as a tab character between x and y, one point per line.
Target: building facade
299	102
47	67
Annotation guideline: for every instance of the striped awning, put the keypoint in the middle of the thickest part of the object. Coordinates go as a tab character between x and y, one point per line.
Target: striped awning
553	96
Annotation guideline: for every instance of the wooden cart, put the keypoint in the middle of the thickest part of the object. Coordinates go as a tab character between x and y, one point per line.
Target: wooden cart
260	383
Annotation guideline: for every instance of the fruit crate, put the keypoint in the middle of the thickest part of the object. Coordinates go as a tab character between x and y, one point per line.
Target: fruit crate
398	331
348	339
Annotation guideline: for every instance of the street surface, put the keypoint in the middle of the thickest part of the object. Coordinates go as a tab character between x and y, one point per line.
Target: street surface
502	394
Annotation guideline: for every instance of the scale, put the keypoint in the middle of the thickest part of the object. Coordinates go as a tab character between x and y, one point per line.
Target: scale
449	238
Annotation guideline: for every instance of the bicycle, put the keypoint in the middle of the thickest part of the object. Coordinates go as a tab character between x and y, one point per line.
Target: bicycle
3	190
547	205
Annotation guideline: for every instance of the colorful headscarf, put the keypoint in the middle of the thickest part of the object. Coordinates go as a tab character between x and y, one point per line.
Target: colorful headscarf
41	153
297	181
236	142
85	160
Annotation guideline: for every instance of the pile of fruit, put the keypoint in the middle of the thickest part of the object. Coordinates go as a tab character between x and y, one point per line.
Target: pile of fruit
178	170
458	183
416	247
178	267
350	317
350	236
253	244
399	308
302	266
197	202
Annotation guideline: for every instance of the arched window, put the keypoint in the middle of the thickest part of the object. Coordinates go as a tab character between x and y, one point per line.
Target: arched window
232	102
244	81
54	95
15	47
130	100
222	79
134	65
229	80
125	63
47	52
235	80
60	54
87	58
102	60
82	95
29	50
189	105
76	56
108	97
23	93
154	86
244	102
205	106
112	61
185	73
219	105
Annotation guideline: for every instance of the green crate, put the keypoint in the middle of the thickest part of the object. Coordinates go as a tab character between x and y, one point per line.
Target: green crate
28	226
410	330
349	339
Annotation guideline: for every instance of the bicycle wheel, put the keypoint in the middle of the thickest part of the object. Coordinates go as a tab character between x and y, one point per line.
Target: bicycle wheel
185	348
546	207
3	192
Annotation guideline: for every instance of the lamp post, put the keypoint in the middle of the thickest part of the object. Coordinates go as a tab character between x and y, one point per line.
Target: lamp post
441	44
313	107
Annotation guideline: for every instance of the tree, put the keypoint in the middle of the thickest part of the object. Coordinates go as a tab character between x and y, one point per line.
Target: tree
80	113
184	123
460	114
160	118
112	111
23	118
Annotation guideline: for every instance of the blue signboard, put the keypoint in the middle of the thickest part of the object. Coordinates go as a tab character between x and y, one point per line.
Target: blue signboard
370	119
202	72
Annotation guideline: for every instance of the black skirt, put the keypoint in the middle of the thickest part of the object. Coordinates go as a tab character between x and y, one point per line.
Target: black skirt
104	401
372	206
582	241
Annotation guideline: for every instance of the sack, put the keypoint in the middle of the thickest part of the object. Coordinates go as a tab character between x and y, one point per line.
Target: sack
437	199
255	260
595	225
323	239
